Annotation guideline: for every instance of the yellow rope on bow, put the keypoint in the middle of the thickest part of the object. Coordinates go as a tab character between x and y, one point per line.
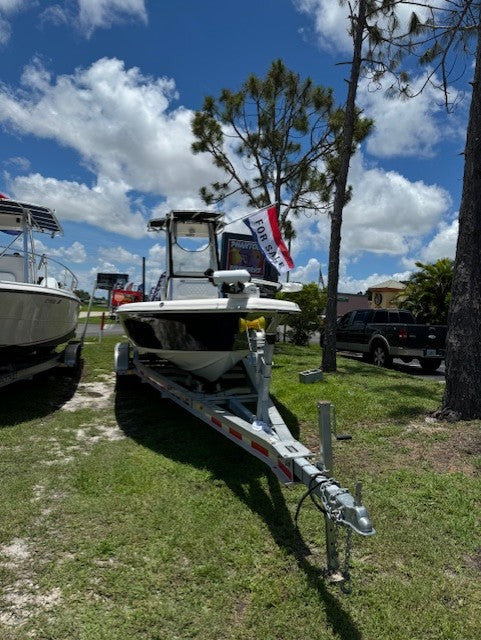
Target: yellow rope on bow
258	324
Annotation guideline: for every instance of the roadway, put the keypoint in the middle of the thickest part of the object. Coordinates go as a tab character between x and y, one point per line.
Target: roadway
412	368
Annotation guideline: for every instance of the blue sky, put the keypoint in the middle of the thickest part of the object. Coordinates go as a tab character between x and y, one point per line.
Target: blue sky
96	99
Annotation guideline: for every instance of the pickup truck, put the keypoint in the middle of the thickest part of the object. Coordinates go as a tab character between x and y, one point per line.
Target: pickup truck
383	334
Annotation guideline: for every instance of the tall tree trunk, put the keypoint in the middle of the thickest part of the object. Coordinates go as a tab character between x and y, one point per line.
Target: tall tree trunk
462	396
329	350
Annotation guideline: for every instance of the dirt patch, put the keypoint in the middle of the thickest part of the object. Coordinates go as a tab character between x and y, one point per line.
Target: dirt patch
474	561
23	598
16	551
89	434
448	448
92	395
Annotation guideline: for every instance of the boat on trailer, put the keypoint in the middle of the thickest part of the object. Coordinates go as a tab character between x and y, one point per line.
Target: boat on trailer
199	324
38	306
179	345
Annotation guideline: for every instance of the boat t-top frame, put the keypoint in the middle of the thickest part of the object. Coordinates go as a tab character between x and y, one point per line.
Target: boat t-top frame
196	226
22	219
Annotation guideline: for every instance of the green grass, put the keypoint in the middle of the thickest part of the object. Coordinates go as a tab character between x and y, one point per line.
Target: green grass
126	518
95	307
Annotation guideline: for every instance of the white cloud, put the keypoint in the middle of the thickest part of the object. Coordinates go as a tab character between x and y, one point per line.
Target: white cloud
12	6
60	260
117	120
21	163
157	254
89	15
306	273
387	214
442	245
331	20
104	13
119	255
106	205
347	284
75	253
387	211
5	31
406	127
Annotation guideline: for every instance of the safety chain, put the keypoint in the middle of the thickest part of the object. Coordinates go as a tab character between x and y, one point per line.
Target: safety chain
335	515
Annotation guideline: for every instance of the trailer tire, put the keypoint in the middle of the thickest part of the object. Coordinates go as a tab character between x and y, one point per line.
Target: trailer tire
380	355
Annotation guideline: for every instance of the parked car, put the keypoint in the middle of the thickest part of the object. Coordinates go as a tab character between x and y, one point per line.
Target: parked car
383	334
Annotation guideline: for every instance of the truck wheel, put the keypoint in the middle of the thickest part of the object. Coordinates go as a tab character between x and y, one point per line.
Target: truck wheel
429	364
380	356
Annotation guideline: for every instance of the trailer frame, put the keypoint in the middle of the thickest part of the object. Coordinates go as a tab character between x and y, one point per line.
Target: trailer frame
240	408
29	366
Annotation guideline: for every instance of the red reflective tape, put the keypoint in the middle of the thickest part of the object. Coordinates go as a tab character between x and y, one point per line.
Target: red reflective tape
284	469
216	421
260	448
235	433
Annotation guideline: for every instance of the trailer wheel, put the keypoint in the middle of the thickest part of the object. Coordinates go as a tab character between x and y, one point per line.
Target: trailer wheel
429	364
380	356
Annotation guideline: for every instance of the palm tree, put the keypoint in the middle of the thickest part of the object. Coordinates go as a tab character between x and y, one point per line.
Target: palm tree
428	291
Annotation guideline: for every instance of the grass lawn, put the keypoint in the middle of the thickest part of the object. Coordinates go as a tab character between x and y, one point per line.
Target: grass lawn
124	518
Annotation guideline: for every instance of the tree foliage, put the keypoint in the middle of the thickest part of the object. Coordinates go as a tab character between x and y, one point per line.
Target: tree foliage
275	140
428	291
437	34
304	324
83	295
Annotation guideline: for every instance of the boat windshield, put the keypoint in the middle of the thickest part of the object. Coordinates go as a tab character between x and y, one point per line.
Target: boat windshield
192	252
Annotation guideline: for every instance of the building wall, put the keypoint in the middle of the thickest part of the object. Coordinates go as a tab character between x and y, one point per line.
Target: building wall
350	301
384	298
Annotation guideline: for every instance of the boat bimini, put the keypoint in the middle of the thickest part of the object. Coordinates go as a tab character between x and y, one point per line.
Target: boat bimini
38	309
204	316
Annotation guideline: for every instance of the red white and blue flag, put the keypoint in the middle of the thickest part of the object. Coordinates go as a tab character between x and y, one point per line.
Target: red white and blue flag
265	229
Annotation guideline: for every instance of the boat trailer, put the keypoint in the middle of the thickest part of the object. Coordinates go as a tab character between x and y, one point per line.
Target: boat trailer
29	366
239	406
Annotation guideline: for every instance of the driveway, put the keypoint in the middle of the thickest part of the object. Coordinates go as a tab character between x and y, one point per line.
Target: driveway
412	368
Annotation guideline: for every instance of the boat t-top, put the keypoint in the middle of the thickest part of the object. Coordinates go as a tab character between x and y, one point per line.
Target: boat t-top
203	316
38	309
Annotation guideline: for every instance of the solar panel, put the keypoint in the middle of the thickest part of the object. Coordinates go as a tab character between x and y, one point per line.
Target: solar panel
41	218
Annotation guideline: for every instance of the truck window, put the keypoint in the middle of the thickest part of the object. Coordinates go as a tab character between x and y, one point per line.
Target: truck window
406	317
361	317
344	321
394	316
380	316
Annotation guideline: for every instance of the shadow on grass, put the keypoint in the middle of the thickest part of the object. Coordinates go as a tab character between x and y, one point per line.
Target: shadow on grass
38	397
410	369
165	428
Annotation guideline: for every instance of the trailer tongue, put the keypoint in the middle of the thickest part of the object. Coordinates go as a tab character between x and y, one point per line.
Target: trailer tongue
239	406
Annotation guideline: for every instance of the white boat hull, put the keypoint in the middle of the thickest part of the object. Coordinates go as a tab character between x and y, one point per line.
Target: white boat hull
210	365
34	317
203	336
